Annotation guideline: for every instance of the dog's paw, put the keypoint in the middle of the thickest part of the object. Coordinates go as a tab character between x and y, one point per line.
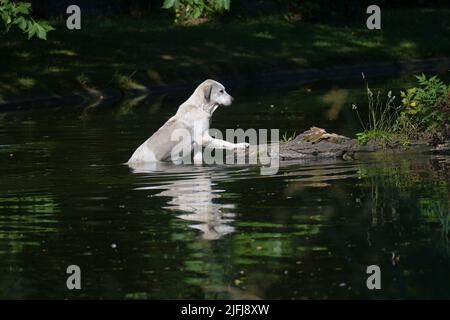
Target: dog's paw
242	145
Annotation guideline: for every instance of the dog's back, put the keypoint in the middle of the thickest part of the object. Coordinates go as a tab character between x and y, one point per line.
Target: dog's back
159	146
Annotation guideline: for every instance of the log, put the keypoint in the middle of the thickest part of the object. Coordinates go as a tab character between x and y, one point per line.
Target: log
316	143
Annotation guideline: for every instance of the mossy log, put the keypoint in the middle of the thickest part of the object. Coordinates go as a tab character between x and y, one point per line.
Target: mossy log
316	143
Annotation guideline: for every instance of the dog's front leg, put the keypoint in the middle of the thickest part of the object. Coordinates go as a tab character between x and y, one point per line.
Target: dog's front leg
198	144
222	144
211	142
198	156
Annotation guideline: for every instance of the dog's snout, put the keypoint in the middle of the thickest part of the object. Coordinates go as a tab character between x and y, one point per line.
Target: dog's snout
231	98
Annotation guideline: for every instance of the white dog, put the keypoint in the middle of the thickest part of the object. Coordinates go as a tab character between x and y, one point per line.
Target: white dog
192	117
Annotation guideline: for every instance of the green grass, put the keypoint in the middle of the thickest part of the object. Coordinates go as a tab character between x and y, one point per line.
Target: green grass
383	138
286	137
137	52
382	115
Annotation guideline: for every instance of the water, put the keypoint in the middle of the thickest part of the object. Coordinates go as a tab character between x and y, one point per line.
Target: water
214	231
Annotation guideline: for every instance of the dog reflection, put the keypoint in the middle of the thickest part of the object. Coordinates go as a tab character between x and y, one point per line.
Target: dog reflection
193	193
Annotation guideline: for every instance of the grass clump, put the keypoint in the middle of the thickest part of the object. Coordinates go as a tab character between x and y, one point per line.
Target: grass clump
127	82
424	113
286	137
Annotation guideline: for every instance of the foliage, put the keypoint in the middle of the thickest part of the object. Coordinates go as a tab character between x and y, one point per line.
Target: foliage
18	14
384	138
193	9
143	38
321	10
425	107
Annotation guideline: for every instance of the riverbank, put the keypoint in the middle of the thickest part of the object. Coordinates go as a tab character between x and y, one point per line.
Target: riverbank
144	55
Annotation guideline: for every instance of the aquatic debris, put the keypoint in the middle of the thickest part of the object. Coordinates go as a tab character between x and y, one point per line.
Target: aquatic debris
316	143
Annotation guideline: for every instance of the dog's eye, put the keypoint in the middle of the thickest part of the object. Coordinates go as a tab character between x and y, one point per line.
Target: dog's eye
221	91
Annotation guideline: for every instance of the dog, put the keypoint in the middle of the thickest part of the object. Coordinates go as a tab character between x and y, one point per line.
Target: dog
193	117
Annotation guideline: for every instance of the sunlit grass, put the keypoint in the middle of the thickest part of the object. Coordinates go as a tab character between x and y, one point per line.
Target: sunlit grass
126	82
26	83
264	35
68	53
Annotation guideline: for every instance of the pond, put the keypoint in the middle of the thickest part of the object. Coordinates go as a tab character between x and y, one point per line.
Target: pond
209	232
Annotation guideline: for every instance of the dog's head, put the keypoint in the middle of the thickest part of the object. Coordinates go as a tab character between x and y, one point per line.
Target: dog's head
214	93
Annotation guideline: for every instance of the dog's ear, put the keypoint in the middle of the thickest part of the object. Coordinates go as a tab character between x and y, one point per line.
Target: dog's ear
207	91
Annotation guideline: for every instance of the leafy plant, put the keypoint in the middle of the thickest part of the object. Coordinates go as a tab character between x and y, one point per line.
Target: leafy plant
193	9
18	14
425	107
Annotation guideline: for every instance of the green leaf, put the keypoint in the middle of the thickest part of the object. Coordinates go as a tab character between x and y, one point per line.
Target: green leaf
41	33
31	30
23	8
168	4
197	12
226	4
46	26
21	23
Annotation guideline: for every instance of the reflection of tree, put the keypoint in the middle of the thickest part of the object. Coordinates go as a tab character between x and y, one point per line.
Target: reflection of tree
22	217
26	221
410	197
438	210
390	184
375	216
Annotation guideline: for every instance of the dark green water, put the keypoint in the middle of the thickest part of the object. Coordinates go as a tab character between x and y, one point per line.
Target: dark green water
214	231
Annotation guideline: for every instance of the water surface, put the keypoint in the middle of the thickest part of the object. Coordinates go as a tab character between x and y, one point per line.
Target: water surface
169	231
